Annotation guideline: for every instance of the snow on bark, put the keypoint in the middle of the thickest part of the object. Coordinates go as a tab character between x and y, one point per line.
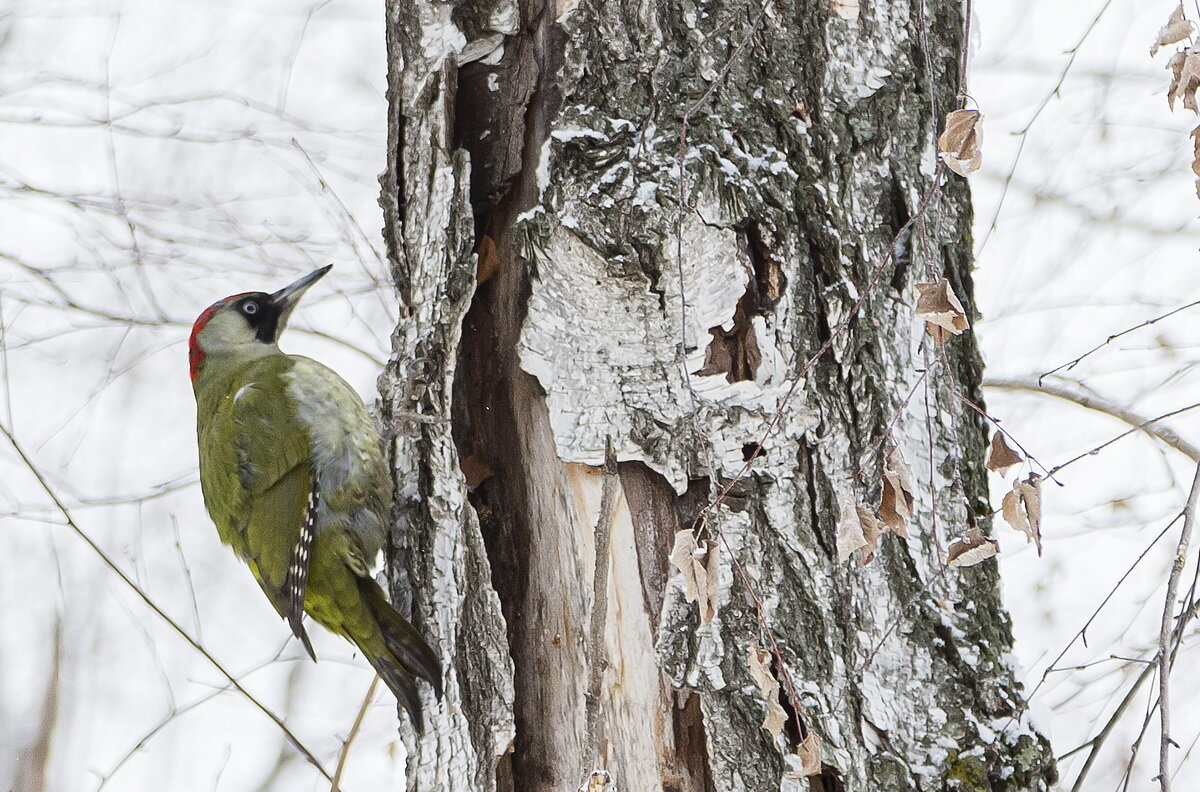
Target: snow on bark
607	359
800	171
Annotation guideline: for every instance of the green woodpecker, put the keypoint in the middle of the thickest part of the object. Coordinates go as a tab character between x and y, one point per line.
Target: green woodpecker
293	475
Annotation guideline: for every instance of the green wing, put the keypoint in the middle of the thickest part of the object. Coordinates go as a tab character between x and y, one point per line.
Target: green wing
256	473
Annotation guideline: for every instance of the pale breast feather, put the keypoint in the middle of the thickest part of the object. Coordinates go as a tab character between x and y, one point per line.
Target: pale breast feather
343	437
346	450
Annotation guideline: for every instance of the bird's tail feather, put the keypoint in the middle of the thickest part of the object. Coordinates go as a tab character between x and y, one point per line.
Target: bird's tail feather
402	685
409	655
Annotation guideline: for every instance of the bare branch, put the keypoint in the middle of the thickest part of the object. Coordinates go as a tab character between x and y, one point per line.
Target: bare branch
1023	133
358	719
1076	394
1098	741
1166	654
33	761
174	625
1070	364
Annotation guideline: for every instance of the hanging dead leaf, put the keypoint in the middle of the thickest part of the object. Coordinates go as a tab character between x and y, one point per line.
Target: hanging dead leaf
1185	79
1177	29
846	9
1001	457
1022	508
768	688
1195	135
809	751
697	562
938	305
850	531
971	548
871	530
896	504
961	140
858	529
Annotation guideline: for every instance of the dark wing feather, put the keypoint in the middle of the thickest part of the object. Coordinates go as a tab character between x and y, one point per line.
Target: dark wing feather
278	482
274	538
296	584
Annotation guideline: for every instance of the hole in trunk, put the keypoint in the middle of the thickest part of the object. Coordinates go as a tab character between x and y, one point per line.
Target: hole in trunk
733	353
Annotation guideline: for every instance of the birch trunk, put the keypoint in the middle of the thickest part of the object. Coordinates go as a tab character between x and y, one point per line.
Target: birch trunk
550	324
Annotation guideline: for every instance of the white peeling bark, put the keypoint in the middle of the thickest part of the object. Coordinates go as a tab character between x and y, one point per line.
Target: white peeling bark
544	136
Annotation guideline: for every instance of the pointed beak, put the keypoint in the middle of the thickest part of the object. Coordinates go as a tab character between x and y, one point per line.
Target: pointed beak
286	298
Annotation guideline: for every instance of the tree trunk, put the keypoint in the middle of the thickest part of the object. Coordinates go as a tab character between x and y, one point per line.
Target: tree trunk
551	325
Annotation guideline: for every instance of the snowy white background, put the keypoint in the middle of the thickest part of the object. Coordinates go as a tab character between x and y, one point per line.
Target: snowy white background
157	156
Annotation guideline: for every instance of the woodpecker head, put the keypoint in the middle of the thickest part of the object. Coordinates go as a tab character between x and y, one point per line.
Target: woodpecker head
246	325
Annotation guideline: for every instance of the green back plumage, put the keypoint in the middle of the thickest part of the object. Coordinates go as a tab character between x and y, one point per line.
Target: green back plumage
278	435
255	466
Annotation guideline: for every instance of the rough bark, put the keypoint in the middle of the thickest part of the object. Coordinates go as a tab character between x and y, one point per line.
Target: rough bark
533	147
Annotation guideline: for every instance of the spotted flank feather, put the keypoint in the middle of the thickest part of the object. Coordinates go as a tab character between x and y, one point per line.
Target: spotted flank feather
297	577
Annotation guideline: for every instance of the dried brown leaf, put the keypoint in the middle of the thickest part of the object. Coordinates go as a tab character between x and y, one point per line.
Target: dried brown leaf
850	535
1185	79
871	530
971	548
896	505
846	9
858	529
939	306
697	562
1022	508
768	688
1195	134
1177	29
961	140
809	751
1001	457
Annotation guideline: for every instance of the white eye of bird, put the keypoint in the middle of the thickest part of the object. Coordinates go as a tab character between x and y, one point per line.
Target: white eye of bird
250	309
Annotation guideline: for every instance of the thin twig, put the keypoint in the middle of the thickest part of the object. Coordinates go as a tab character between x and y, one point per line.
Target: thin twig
8	405
174	625
1107	443
358	719
1098	741
1070	364
175	713
768	634
1127	776
933	493
1023	133
1081	633
1165	653
1177	637
812	361
1074	393
1007	434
